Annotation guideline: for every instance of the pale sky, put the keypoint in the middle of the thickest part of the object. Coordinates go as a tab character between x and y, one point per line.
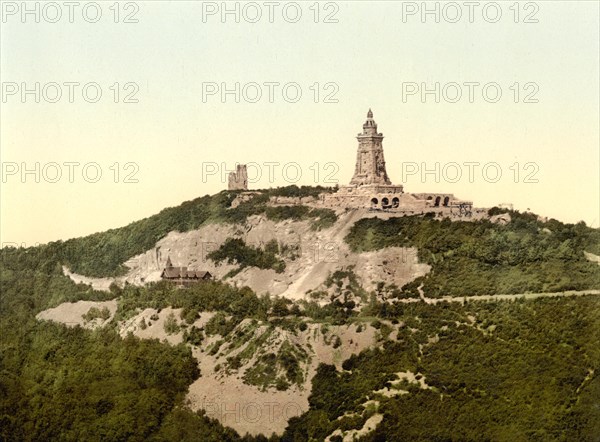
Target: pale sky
372	57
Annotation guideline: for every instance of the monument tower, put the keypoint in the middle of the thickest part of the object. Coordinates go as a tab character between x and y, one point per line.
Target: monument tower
370	163
371	188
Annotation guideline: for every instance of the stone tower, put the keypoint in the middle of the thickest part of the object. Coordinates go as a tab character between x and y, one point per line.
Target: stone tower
370	164
238	180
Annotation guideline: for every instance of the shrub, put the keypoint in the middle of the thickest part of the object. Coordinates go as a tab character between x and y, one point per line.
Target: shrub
478	257
337	342
235	251
193	336
189	315
171	326
96	313
220	325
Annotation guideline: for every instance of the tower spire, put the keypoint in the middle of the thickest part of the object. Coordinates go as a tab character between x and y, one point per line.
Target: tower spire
370	164
370	127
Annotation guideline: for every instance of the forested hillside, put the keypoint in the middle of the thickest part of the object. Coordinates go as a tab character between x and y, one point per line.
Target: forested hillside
502	371
524	370
103	254
476	258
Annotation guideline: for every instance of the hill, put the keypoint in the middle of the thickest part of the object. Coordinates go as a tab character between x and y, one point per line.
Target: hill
358	355
294	250
103	254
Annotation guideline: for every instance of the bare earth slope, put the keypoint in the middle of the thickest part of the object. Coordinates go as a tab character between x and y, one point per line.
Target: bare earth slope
315	255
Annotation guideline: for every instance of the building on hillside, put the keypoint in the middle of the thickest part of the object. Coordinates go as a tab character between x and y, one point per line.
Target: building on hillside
370	187
238	180
182	276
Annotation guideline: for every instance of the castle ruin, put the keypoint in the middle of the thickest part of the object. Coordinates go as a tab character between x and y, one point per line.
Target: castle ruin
238	180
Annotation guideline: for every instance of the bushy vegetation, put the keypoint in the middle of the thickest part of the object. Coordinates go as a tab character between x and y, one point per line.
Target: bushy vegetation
103	254
65	390
301	192
219	324
522	370
507	371
280	369
346	292
322	218
171	325
72	384
235	251
193	336
528	379
96	313
475	258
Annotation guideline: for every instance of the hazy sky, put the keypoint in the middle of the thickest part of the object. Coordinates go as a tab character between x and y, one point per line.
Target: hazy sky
541	133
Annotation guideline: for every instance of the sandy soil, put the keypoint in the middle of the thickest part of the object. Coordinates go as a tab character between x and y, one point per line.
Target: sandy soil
102	284
155	325
223	395
372	422
591	257
352	435
318	254
249	410
243	407
71	313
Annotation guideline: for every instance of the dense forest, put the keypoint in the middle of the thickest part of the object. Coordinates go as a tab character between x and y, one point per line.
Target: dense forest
523	370
476	258
528	379
498	371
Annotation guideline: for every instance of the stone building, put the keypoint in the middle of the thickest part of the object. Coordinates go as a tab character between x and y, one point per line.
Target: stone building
238	180
371	187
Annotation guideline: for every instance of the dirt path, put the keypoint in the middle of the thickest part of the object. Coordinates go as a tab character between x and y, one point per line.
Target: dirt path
317	270
102	284
462	299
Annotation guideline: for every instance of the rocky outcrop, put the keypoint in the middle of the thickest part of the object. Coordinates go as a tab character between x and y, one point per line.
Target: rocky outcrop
502	219
310	256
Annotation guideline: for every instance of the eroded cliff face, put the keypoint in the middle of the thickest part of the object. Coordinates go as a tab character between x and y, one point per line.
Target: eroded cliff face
310	256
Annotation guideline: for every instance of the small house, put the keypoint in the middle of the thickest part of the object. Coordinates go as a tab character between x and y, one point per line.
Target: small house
182	276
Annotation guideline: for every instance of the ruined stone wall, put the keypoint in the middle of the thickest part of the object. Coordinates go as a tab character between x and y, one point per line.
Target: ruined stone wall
238	180
293	200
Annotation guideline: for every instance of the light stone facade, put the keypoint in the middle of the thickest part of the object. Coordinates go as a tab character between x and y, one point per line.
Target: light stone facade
370	163
371	187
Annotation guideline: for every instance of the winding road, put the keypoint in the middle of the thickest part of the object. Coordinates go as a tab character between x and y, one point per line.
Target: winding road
463	299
